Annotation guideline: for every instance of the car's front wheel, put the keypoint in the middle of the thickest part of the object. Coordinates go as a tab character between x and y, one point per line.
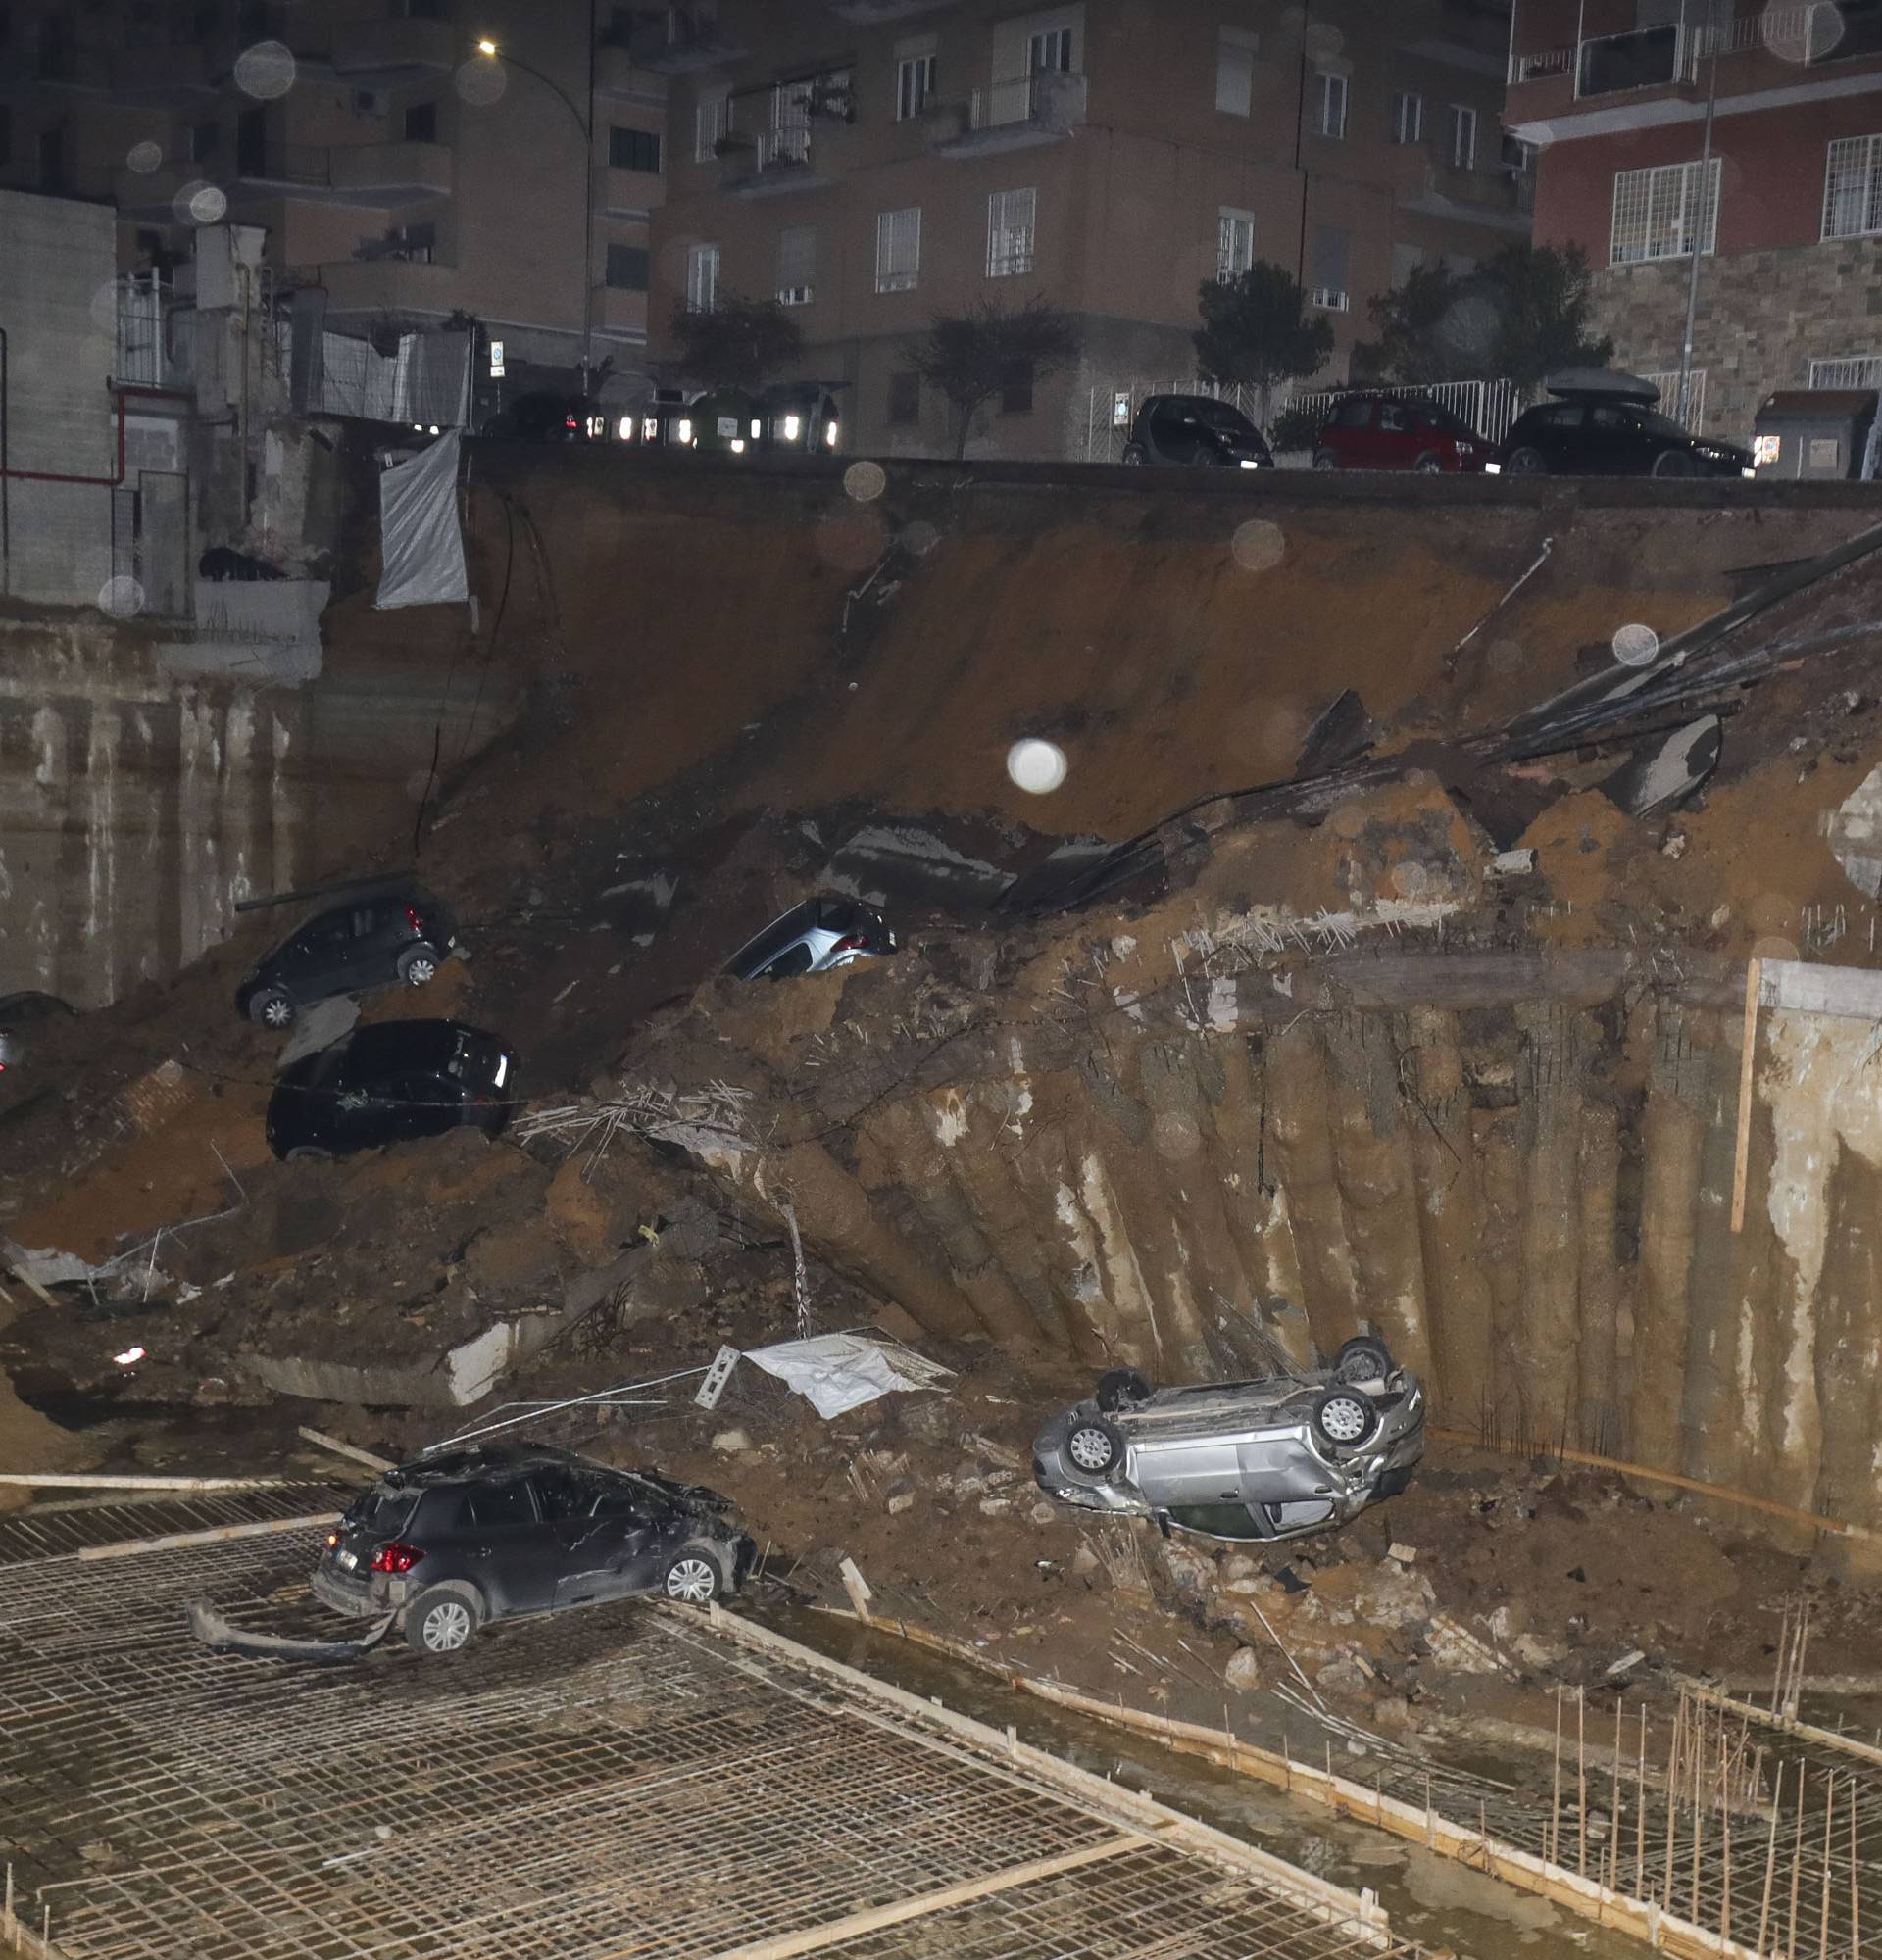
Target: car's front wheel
693	1575
270	1009
1431	463
1134	454
1673	463
1526	462
1326	460
418	966
1095	1448
1344	1418
441	1620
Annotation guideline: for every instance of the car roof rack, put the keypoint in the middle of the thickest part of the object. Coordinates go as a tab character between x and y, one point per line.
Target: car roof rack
368	881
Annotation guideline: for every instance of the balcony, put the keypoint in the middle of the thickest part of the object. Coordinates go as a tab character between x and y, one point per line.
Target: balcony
159	77
782	161
619	78
1017	115
379	285
374	53
682	43
373	177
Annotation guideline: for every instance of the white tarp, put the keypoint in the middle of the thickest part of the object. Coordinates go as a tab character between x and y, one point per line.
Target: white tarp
836	1372
421	547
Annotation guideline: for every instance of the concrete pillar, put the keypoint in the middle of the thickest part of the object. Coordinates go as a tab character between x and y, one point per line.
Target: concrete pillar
1598	1407
1545	1337
1295	1067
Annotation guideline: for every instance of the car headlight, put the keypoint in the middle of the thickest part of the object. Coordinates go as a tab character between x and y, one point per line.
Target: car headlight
792	428
503	1071
829	436
1493	470
1747	472
1248	462
684	431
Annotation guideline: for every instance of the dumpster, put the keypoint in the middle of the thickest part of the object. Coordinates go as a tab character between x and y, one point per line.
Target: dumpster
1814	433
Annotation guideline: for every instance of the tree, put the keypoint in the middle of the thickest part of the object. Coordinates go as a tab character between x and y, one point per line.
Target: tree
735	343
1427	331
1256	331
975	356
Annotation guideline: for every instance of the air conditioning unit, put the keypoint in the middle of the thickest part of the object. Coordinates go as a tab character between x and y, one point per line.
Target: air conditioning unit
371	102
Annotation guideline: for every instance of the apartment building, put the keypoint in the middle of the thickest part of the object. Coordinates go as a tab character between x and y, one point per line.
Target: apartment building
874	162
1782	200
409	161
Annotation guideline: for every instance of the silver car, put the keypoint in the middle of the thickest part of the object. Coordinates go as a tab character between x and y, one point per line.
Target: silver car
813	938
1262	1459
24	1019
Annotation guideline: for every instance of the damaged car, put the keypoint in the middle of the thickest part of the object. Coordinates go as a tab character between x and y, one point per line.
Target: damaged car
387	934
820	934
489	1531
1270	1458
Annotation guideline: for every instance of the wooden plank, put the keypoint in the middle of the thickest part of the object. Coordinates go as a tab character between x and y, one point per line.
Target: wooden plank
1742	1148
130	1547
102	1480
347	1450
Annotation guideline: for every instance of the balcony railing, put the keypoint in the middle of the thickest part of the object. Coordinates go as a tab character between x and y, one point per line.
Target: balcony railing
1655	57
1046	100
781	149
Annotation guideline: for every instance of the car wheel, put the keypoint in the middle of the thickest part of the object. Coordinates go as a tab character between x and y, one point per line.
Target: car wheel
1526	462
1134	454
1344	1418
441	1620
1095	1448
307	1154
272	1008
1326	460
1362	1360
418	966
1429	464
693	1575
1673	463
1121	1389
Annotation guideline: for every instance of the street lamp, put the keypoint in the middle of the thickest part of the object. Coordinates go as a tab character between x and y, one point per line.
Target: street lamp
585	123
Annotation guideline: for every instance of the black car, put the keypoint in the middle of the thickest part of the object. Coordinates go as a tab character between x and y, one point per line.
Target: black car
1196	431
380	935
22	1017
388	1083
496	1532
544	414
1611	436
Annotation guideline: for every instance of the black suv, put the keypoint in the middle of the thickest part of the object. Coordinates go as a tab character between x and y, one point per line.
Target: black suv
379	934
1197	431
495	1532
388	1083
1612	436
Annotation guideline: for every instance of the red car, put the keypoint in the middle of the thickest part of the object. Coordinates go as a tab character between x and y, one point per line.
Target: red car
1398	432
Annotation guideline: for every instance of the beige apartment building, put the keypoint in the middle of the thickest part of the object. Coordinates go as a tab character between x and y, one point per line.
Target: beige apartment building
872	163
396	166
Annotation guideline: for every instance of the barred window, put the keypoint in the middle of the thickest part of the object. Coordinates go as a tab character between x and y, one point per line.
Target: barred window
898	249
711	122
1408	119
1461	138
1853	188
1234	243
1010	229
702	277
1657	214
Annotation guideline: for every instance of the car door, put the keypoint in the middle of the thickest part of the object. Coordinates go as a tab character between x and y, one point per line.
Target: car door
1561	436
1283	1481
611	1545
508	1550
1616	445
1396	445
317	962
1173	433
1349	433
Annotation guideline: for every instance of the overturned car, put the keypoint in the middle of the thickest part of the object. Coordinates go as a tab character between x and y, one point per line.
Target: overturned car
1260	1460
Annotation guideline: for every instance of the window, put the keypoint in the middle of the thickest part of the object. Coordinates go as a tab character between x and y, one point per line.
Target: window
702	277
914	84
501	1504
797	264
1461	138
627	268
416	244
1329	103
711	122
1327	260
633	150
898	249
790	137
1009	224
904	397
421	122
203	139
1853	188
1016	391
1234	242
1408	119
1235	72
1049	52
1353	415
1657	214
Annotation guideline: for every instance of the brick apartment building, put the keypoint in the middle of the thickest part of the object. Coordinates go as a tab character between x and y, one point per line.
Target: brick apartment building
874	162
1787	219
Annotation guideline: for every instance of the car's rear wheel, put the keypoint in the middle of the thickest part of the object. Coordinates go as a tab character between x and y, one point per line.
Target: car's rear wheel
1134	454
441	1620
272	1008
1362	1360
1095	1448
418	966
693	1575
1325	459
1673	463
1344	1418
1431	463
1526	462
1121	1389
307	1154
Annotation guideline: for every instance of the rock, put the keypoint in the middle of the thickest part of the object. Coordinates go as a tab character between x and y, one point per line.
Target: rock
1244	1670
1343	1675
732	1442
1189	1570
1043	1513
1247	1588
1457	1648
995	1508
1854	833
1405	1554
1238	1565
1539	1654
900	1497
1084	1562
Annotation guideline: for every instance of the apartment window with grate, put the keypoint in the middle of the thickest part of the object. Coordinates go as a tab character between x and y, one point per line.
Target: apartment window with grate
898	249
1853	188
1329	103
904	397
1235	72
712	124
1234	242
421	122
914	84
1461	137
702	277
633	150
1408	119
627	268
1658	214
1009	230
797	264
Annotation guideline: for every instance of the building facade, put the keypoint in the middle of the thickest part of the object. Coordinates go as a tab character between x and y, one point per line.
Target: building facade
875	163
1785	212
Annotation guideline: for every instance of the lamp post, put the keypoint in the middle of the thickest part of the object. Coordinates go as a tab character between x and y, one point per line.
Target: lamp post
1698	223
585	123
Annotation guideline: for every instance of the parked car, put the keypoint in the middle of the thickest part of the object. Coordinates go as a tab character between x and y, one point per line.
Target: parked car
388	1083
813	938
1260	1459
1398	432
23	1018
1196	431
378	936
800	415
545	414
492	1532
1588	435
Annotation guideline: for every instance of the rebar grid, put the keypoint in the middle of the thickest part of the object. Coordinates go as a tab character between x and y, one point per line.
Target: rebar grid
612	1782
54	1533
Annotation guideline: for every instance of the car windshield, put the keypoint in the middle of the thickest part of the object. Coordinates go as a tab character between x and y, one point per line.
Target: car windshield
1220	417
1434	417
1654	423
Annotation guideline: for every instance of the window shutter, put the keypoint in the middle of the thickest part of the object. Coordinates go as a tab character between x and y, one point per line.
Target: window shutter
1331	251
797	263
898	249
1235	73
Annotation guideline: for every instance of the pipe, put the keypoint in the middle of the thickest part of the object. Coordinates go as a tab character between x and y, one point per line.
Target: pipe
111	482
6	502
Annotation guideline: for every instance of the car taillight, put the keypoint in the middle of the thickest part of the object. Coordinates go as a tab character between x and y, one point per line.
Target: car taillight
853	944
412	919
396	1557
333	1538
568	421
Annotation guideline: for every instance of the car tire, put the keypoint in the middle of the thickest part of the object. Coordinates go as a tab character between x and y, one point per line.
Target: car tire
1134	455
1344	1418
1121	1389
1325	459
693	1576
418	965
1674	463
1095	1450
1431	463
1526	462
307	1154
270	1009
1362	1360
443	1619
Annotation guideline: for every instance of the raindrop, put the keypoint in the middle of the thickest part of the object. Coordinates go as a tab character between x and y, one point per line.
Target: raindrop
1802	33
866	482
145	157
121	597
1636	645
1774	946
1037	766
850	540
1258	545
264	72
199	202
480	81
919	538
1324	42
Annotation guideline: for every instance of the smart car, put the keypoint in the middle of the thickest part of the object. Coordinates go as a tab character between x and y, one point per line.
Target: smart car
1269	1459
1195	431
487	1532
395	933
813	938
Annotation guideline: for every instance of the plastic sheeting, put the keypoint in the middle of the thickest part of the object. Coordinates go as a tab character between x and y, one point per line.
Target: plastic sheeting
836	1372
421	547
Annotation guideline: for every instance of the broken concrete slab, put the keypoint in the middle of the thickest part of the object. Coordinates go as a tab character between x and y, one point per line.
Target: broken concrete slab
320	1027
1854	833
1663	773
